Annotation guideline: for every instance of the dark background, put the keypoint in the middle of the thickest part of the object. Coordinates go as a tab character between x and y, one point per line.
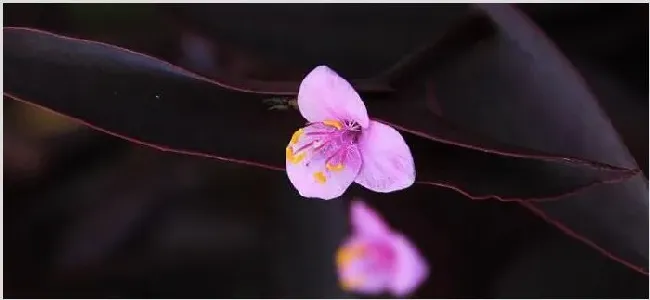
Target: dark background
88	215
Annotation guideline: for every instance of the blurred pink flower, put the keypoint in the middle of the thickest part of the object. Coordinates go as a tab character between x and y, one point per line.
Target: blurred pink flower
341	145
375	259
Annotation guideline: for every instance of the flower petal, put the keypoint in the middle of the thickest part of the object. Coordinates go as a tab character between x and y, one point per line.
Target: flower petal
325	95
411	268
312	178
366	221
387	161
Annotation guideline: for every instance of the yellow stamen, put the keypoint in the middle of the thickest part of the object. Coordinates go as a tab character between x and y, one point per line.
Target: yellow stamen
289	153
350	283
292	157
320	177
296	135
333	123
298	158
335	168
345	255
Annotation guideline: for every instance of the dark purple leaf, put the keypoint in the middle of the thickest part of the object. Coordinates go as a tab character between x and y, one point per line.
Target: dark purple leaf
136	95
524	92
172	109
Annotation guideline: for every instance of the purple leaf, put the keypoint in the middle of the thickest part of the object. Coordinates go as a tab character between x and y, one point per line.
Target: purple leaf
171	109
525	93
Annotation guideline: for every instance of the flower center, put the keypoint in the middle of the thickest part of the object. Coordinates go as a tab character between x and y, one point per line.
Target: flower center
328	141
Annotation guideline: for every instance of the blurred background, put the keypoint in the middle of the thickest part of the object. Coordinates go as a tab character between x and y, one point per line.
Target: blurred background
89	215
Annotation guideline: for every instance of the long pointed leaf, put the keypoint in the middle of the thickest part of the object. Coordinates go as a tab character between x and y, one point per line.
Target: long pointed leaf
151	102
525	93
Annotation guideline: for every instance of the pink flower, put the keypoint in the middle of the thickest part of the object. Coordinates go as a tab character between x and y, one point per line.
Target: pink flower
375	259
341	145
